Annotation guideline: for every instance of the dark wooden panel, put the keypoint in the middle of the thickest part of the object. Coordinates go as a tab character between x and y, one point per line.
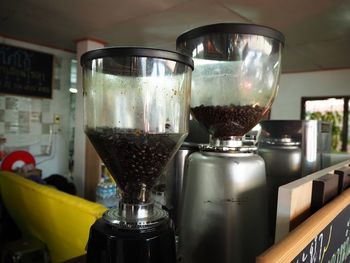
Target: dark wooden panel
324	189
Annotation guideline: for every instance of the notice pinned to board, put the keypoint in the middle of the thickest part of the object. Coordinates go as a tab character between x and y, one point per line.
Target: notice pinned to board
25	72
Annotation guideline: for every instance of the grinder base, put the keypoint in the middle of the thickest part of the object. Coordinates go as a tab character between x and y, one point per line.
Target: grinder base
223	215
112	244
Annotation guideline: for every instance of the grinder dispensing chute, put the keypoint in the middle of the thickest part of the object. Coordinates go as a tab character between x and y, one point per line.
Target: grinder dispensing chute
224	204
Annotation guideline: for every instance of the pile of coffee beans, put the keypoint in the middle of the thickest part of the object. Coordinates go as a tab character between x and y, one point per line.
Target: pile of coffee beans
231	120
134	158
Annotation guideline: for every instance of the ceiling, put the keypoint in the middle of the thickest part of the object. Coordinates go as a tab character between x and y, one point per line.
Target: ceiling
317	31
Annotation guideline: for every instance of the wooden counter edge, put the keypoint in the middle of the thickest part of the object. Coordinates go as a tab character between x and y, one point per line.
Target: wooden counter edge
289	247
289	209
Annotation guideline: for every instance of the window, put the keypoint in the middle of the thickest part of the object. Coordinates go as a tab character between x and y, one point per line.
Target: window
334	110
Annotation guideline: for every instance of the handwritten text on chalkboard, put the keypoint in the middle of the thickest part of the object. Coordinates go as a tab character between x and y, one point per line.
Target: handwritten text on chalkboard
332	244
25	72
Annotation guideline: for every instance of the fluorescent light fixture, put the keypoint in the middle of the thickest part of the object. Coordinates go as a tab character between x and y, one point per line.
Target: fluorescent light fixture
73	90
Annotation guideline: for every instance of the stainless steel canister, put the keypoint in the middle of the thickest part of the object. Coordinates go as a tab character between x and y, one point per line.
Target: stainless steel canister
291	149
174	180
224	208
283	161
312	137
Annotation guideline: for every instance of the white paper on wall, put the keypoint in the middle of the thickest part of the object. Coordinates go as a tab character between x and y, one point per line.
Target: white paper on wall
2	127
11	103
46	128
35	116
35	128
11	116
47	117
23	122
23	117
2	102
11	128
36	105
24	104
45	105
23	128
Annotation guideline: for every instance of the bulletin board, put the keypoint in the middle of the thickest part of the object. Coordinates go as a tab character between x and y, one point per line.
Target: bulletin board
26	123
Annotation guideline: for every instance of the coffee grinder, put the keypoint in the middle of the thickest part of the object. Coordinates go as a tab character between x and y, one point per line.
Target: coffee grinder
224	202
136	111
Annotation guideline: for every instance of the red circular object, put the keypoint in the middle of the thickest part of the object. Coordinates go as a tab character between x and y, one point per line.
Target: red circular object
15	156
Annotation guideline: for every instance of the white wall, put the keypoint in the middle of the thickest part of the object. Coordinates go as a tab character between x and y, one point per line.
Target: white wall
57	162
293	86
79	137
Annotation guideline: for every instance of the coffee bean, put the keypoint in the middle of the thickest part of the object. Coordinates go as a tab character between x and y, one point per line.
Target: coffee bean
225	121
134	158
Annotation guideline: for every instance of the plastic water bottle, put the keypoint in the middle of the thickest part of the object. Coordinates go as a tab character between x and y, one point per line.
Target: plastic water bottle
106	193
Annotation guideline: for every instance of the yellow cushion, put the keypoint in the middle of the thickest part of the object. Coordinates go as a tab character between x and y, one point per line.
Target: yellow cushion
60	220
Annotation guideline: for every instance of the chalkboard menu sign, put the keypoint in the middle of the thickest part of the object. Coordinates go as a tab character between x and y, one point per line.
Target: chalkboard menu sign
25	72
332	244
324	237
